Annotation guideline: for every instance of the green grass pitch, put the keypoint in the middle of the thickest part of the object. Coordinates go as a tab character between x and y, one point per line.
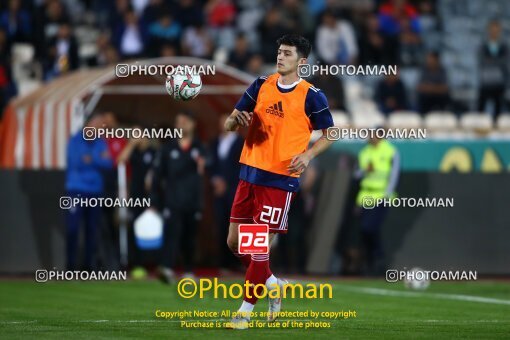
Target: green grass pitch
103	310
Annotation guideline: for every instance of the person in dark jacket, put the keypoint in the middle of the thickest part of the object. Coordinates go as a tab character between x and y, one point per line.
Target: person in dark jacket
177	191
391	94
224	169
139	155
62	55
85	161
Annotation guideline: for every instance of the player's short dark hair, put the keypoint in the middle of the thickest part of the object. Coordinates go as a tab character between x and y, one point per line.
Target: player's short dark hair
302	44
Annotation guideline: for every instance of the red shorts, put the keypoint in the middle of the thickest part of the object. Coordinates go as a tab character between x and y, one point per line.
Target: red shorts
261	205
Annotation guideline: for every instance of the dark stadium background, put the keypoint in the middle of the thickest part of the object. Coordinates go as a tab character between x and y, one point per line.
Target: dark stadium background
57	63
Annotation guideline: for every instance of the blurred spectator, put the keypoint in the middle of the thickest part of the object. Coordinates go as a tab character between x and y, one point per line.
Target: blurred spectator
110	237
296	17
392	16
189	13
139	154
333	89
196	41
336	42
154	10
62	53
220	16
49	17
255	65
164	31
178	170
372	50
241	54
106	53
16	22
292	249
379	171
390	94
270	30
129	36
117	13
433	92
224	171
139	6
7	88
316	6
427	17
411	49
85	161
493	59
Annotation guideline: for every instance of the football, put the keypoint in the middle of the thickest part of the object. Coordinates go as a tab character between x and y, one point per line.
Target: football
416	279
183	85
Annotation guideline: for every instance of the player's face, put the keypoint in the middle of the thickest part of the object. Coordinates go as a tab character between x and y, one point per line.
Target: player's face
288	60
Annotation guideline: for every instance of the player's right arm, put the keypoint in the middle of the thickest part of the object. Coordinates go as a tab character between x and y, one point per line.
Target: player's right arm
238	119
243	112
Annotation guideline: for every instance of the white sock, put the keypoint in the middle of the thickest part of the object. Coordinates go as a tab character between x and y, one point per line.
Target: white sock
246	309
271	282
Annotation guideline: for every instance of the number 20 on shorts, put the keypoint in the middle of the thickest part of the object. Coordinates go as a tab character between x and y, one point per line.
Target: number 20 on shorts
253	239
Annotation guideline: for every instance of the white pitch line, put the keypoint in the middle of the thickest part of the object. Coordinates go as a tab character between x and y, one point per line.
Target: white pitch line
389	292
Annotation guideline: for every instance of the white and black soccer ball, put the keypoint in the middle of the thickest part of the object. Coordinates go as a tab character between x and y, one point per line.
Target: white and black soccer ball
183	85
416	279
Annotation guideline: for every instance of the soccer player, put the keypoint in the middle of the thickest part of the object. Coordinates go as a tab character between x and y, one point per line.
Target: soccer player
281	110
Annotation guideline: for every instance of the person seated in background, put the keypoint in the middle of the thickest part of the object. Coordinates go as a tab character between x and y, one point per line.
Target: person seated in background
130	36
16	22
493	71
240	55
432	89
270	29
86	159
336	42
255	65
371	43
164	31
197	42
411	48
393	15
62	54
7	86
391	94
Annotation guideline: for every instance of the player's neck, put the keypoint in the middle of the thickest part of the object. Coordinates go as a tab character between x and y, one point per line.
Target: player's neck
288	79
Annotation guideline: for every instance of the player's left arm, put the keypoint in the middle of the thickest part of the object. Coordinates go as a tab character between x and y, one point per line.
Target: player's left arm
317	109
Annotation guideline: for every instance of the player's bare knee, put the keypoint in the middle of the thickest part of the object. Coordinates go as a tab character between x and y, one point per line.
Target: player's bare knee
232	243
232	237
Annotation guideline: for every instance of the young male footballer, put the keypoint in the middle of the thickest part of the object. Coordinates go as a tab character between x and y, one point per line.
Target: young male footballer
281	110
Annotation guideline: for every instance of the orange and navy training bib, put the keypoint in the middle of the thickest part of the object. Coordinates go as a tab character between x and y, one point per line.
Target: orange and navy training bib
283	120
